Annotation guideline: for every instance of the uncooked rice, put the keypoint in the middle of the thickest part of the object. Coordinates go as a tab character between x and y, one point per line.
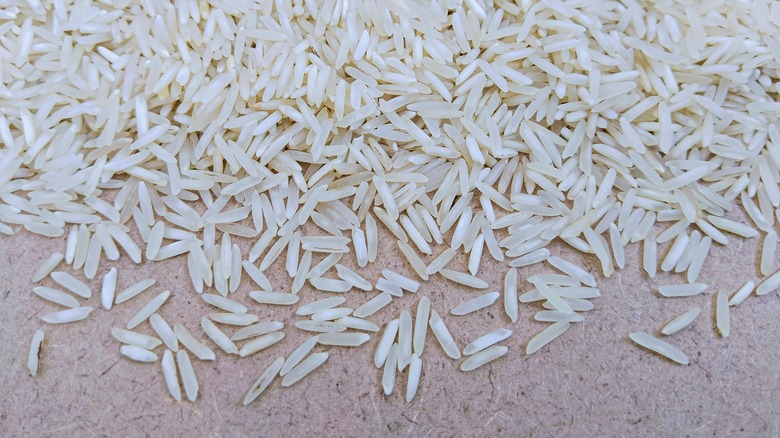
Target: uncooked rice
293	127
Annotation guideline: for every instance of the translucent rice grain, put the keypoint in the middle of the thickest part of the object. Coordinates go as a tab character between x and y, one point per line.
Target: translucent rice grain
421	325
165	332
681	321
47	266
297	355
546	336
170	375
188	379
343	339
488	355
304	368
768	253
108	289
388	375
200	350
218	336
770	284
660	347
72	284
256	330
260	343
443	336
133	338
486	341
263	381
413	379
722	317
66	316
148	309
56	296
277	298
137	354
742	293
475	304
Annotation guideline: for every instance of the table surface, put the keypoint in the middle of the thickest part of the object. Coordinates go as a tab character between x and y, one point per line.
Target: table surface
592	380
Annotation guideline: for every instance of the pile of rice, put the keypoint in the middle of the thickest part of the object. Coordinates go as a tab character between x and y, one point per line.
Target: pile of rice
197	129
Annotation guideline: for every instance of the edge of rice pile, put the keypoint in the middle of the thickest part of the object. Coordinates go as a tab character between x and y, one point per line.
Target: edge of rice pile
491	129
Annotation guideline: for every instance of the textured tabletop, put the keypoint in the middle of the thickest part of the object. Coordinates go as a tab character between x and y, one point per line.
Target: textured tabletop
592	380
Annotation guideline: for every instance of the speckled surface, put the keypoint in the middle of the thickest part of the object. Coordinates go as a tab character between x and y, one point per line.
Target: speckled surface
590	381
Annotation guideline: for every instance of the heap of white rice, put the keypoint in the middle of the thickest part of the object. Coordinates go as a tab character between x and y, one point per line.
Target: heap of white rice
492	128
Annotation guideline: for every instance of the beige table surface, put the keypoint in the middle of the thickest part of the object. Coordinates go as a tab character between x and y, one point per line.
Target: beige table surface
591	381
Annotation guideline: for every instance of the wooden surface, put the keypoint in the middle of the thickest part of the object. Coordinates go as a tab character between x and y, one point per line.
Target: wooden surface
592	380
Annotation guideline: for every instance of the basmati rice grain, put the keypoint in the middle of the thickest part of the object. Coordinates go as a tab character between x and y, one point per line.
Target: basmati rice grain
413	379
388	375
573	270
660	347
675	252
298	354
188	379
256	330
649	254
414	260
68	282
66	316
768	253
486	341
546	336
47	266
770	284
36	349
488	355
263	381
464	279
165	332
401	281
134	290
56	296
343	339
321	326
443	336
555	316
358	324
681	290
742	293
722	317
681	321
353	278
137	354
331	314
319	305
239	319
224	303
108	289
154	242
148	309
440	261
385	344
304	368
477	303
698	259
421	325
277	298
533	257
133	338
260	343
200	350
404	340
218	336
170	375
